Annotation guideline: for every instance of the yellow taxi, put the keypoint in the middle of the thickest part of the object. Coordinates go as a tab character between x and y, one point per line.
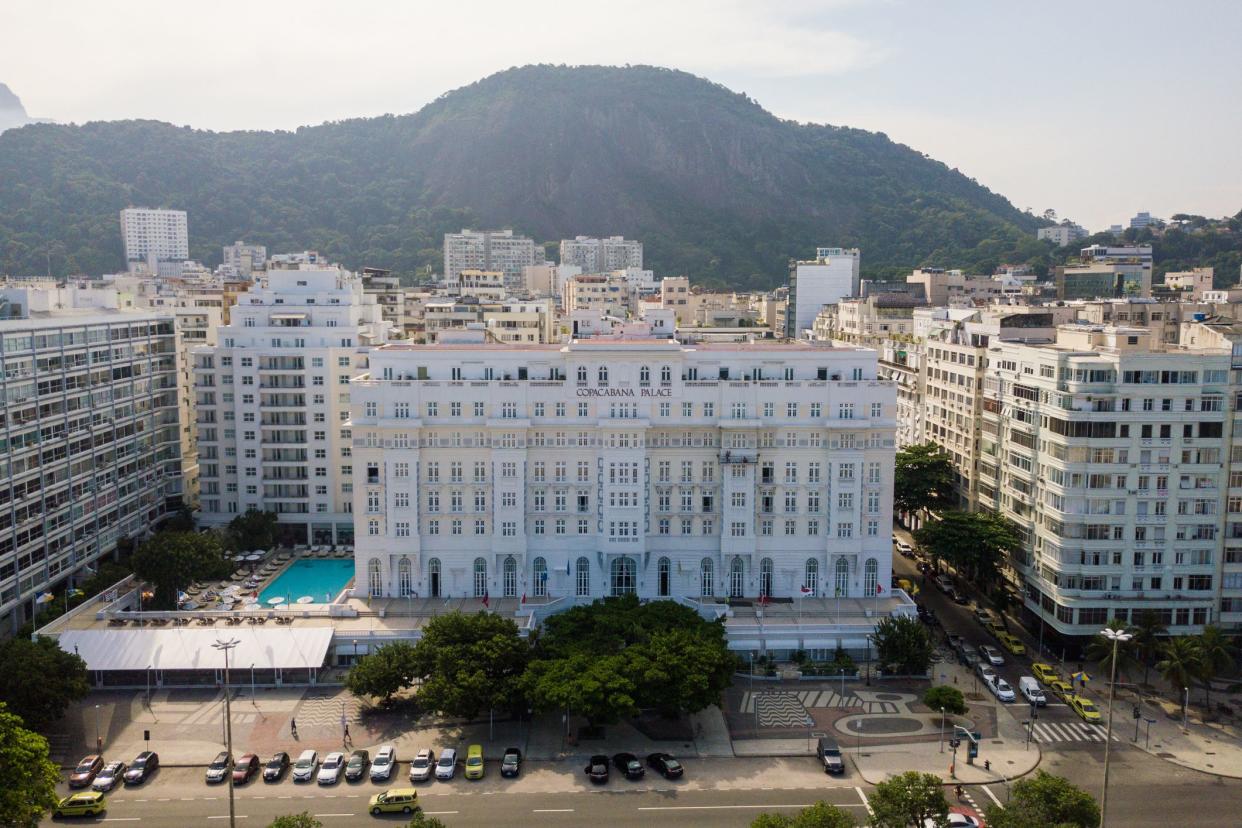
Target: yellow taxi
995	624
394	801
1011	643
474	762
1060	689
87	803
1084	708
1045	672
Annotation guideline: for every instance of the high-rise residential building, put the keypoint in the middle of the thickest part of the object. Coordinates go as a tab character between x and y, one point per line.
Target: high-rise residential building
825	280
90	445
1063	234
489	250
602	255
610	294
243	260
273	401
156	241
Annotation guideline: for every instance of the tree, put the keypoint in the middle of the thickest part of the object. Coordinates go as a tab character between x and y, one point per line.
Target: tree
421	820
946	698
388	670
908	800
38	680
903	645
1045	801
1148	630
28	777
469	663
923	478
302	820
678	671
252	530
975	543
1216	654
1100	650
170	561
819	815
1180	662
600	688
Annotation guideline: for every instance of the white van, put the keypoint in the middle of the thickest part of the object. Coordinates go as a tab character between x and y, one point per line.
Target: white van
1032	692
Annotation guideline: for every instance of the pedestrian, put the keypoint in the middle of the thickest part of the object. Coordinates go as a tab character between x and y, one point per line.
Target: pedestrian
346	730
293	728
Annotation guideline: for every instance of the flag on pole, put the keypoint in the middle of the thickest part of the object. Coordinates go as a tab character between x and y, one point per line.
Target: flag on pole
44	598
763	599
523	597
879	588
486	599
804	591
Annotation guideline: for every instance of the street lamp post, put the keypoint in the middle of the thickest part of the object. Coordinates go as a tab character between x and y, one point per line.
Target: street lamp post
942	730
1117	637
98	741
224	647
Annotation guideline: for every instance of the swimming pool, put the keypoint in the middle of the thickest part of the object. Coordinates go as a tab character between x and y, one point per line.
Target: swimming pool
322	580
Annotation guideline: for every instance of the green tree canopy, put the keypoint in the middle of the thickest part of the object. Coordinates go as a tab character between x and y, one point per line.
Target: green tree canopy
903	645
383	673
923	479
302	820
1179	662
1217	653
1148	631
421	820
171	561
944	697
908	800
600	688
469	663
38	680
975	543
28	777
819	815
1045	801
252	530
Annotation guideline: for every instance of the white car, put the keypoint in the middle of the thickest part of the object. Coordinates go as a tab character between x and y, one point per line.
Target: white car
985	671
108	777
447	765
992	654
1001	689
954	820
422	766
304	769
330	771
383	763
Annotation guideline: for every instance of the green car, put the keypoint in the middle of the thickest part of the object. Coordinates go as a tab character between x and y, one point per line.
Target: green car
394	801
88	803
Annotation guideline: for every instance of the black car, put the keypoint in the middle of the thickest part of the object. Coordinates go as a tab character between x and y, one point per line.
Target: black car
357	766
511	762
144	765
667	766
275	768
629	765
597	769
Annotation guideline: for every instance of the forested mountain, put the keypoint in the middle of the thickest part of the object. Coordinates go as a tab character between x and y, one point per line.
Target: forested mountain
714	185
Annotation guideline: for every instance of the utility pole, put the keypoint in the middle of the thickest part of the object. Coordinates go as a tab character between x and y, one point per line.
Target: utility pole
224	647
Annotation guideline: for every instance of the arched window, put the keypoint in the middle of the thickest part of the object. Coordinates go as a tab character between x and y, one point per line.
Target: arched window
375	577
603	375
582	373
842	586
541	578
707	578
405	578
664	578
737	577
510	577
480	577
624	576
871	572
582	572
810	578
765	577
644	375
433	577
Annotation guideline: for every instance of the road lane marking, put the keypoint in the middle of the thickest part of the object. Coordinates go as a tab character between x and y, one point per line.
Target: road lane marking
332	815
546	811
865	803
120	819
441	813
716	807
988	791
226	816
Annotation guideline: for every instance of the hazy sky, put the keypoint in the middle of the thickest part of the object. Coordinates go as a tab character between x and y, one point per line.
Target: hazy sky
1095	108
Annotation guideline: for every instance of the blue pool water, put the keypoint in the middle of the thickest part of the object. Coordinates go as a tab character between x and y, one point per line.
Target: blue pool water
315	578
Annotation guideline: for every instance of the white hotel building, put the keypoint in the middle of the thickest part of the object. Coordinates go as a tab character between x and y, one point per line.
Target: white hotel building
626	464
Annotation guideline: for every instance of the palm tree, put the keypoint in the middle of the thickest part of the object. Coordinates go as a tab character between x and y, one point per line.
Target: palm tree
1148	630
1180	662
1216	654
1100	650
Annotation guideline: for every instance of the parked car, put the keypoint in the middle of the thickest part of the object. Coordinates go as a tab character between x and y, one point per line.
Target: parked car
423	766
956	595
330	770
86	770
275	768
944	583
1045	672
905	549
985	671
218	768
511	762
394	801
1031	691
992	655
629	765
953	820
356	767
1001	689
1084	707
597	769
983	616
246	767
667	766
304	769
829	753
474	762
1060	689
87	803
385	760
968	654
107	778
447	766
1011	643
145	764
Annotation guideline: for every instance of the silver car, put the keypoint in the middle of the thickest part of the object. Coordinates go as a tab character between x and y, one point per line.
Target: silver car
992	654
383	763
304	769
422	766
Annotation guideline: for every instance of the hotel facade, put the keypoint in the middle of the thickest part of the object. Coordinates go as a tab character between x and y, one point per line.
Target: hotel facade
627	464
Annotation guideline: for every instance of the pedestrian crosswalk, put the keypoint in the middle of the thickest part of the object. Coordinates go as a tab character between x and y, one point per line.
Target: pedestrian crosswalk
1070	732
817	698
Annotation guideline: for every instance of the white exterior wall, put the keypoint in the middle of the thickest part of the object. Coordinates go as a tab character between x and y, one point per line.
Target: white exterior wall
832	277
152	236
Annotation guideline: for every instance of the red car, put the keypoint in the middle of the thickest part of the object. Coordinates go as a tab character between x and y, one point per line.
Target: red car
85	772
246	767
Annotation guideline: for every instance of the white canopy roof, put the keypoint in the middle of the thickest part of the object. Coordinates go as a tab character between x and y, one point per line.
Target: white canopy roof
189	648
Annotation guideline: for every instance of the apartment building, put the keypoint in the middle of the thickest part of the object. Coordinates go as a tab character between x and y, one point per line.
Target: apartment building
608	294
825	280
623	464
244	261
89	449
156	241
1063	234
489	250
273	398
1191	284
594	255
